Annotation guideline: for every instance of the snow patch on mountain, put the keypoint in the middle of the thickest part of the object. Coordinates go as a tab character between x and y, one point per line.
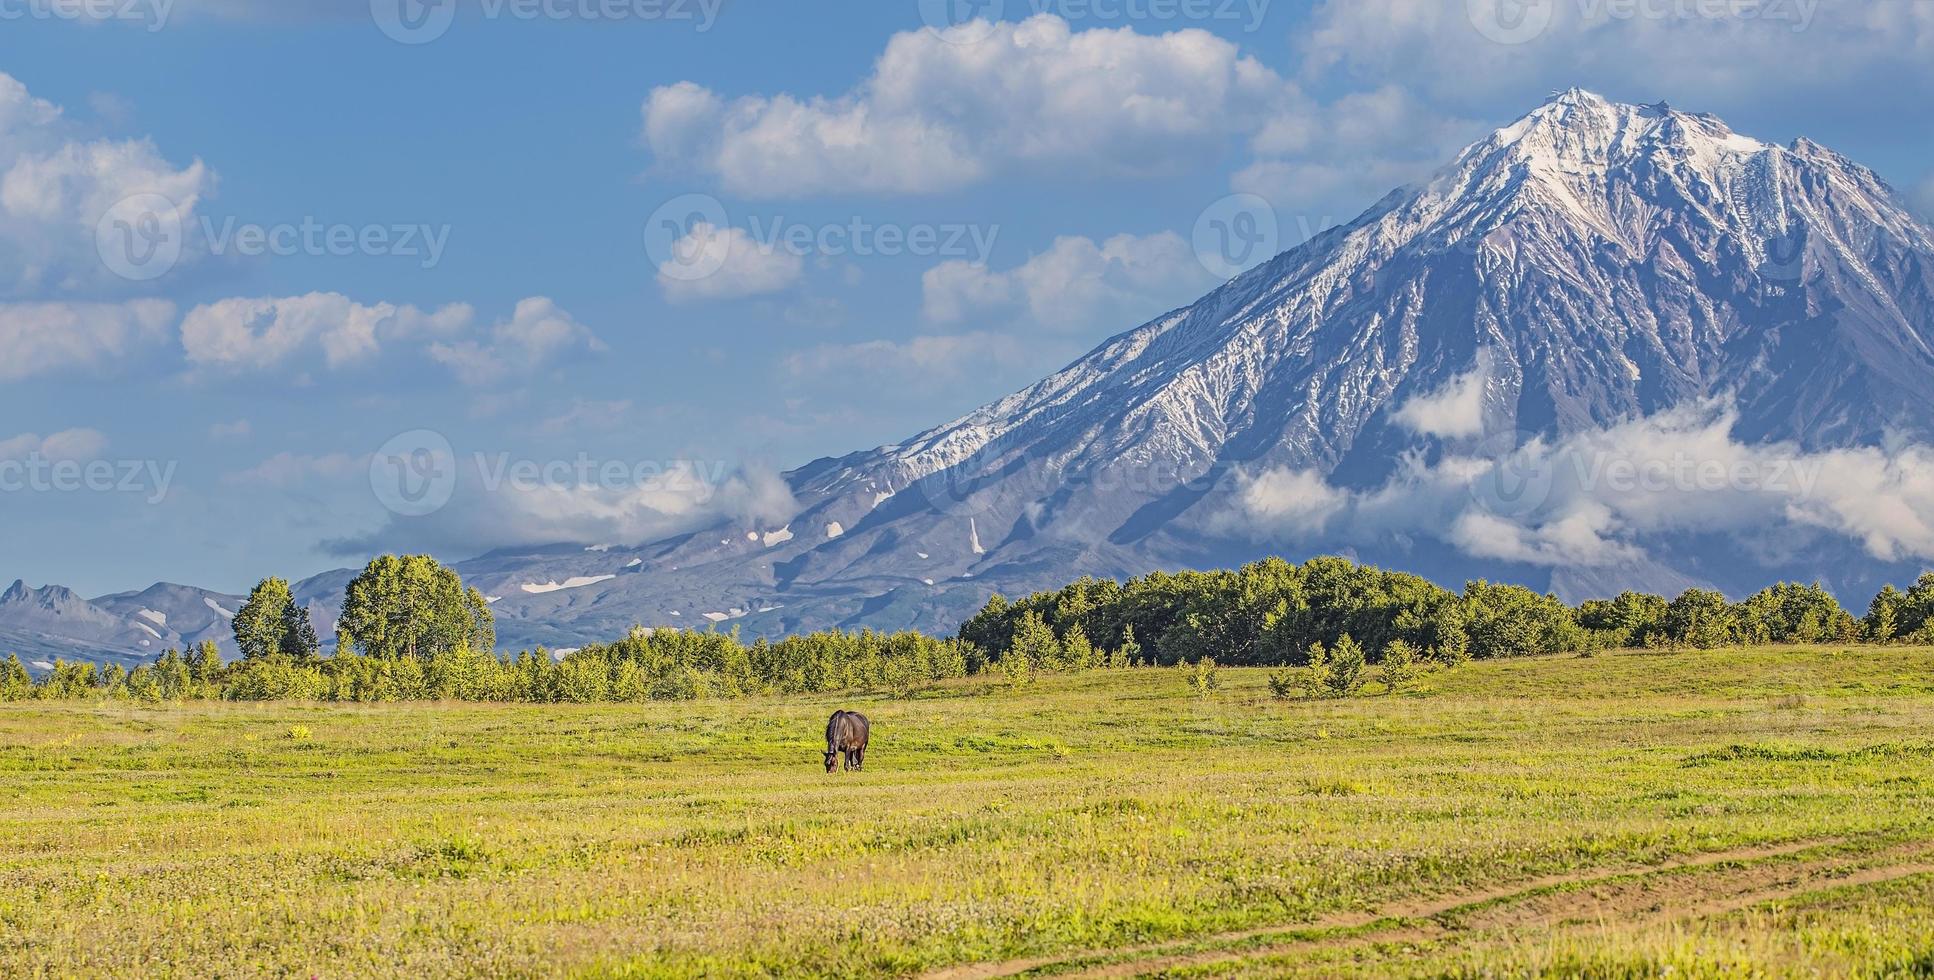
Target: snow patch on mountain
576	582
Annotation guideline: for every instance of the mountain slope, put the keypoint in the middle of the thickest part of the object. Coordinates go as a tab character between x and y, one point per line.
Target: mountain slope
1584	270
1591	264
52	622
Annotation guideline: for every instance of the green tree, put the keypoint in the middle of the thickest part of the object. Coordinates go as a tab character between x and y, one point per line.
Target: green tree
1399	665
1701	619
1789	613
15	683
299	642
262	622
1076	651
205	671
413	606
1346	667
1513	621
1034	640
1283	682
1202	677
1316	674
1883	616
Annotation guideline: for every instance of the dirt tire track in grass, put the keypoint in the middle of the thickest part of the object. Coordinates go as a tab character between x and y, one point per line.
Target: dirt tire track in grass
1149	957
1631	895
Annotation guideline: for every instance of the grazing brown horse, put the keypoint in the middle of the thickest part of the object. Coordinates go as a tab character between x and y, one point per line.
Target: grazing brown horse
846	733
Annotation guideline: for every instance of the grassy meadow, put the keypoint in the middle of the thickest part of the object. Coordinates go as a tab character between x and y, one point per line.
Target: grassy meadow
1739	813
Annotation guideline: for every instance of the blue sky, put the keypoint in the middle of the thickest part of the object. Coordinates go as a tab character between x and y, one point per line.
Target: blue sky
956	213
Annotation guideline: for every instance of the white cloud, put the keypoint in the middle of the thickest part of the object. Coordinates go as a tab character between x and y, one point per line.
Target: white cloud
1923	197
1455	411
1595	497
262	333
1076	283
671	499
726	263
536	333
242	335
69	444
936	115
44	338
55	189
1296	502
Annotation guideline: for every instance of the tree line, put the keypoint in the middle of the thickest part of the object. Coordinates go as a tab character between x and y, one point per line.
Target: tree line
410	630
1274	613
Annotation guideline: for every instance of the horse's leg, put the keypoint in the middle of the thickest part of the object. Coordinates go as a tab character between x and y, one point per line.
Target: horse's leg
859	757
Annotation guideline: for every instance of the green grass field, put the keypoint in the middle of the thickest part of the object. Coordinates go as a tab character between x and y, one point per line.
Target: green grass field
1634	814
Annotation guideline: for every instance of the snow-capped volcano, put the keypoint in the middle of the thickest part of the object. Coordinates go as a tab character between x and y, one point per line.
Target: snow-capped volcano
1595	274
1591	266
1613	259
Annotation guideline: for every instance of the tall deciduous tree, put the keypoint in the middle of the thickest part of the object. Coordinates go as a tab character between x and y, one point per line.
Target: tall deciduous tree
412	606
299	640
262	622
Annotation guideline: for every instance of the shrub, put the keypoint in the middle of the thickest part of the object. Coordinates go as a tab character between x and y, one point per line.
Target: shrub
1346	668
1017	668
1284	682
1399	665
1202	677
1316	675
